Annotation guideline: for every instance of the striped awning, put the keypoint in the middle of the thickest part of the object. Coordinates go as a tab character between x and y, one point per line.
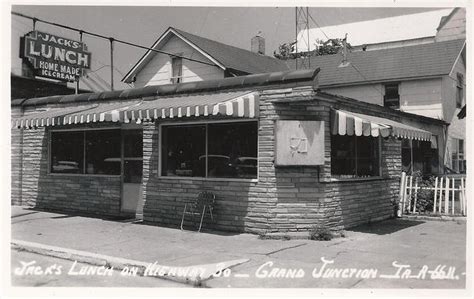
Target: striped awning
350	123
74	115
229	104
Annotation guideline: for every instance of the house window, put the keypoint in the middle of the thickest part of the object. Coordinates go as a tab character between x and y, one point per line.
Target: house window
176	70
355	157
391	98
459	90
216	150
86	152
458	155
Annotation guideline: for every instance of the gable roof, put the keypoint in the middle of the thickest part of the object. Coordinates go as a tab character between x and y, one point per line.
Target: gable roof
224	56
426	60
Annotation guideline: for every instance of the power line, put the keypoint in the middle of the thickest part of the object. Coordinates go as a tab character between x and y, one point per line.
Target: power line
319	27
109	38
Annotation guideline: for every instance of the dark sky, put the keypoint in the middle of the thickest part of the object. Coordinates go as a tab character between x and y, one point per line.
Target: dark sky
143	25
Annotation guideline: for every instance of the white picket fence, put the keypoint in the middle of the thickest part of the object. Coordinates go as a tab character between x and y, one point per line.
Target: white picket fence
449	196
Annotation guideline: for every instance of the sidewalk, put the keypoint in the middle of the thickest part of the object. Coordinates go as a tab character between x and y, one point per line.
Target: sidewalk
416	243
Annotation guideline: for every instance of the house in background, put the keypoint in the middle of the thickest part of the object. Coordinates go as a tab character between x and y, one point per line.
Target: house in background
220	60
431	26
423	73
426	79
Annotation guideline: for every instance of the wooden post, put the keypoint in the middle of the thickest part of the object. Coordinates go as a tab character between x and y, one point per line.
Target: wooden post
435	194
446	199
401	197
452	194
461	199
416	195
464	199
440	195
409	193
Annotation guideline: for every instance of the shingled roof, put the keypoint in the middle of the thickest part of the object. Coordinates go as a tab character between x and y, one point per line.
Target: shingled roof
236	58
230	57
433	59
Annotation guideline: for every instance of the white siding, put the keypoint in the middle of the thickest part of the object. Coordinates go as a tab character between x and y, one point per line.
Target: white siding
422	97
158	70
455	28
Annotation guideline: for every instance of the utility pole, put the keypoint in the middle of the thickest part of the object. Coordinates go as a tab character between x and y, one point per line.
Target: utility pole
302	23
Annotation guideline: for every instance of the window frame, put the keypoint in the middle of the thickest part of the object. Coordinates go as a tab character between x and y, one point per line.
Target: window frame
336	177
204	122
385	94
178	79
49	172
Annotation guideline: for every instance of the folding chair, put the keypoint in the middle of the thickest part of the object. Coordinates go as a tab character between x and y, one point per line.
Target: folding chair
204	201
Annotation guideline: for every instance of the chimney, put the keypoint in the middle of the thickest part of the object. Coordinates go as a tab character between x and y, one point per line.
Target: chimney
258	44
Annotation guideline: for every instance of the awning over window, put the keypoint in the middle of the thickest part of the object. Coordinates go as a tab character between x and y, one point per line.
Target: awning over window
74	115
350	123
233	104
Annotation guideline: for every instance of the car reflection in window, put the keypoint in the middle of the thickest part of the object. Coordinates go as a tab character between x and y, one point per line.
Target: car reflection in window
66	167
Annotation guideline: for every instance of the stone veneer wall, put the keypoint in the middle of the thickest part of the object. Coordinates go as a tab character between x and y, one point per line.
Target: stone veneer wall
92	195
283	198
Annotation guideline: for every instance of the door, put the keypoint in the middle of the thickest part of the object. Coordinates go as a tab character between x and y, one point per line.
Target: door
132	199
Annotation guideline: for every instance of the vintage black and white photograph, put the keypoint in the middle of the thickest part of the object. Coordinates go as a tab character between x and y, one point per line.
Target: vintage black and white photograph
202	146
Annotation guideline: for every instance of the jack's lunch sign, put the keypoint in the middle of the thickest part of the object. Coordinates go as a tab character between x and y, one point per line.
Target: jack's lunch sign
55	57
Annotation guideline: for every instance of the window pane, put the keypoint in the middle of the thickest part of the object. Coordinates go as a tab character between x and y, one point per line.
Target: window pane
67	152
392	97
232	150
343	155
353	156
183	151
103	152
367	156
132	143
132	171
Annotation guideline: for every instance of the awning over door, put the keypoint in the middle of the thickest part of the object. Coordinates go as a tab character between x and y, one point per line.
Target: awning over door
232	104
350	123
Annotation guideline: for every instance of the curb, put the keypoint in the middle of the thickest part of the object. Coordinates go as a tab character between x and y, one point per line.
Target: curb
159	271
435	218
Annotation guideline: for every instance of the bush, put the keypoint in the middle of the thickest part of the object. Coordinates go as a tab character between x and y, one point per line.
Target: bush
320	233
424	199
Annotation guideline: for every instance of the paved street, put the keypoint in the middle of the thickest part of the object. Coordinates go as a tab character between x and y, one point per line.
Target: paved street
395	253
65	273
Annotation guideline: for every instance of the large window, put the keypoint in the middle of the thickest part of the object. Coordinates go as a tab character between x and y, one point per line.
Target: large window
391	98
86	152
67	152
217	150
355	157
419	156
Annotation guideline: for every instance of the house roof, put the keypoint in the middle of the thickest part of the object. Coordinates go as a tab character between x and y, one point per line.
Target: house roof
426	60
229	57
396	28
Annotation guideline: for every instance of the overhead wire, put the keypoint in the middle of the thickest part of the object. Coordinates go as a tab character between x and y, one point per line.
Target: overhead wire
109	38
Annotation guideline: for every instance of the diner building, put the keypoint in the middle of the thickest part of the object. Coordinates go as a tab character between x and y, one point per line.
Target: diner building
279	154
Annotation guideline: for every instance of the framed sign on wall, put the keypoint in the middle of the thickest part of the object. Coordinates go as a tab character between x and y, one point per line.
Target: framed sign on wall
299	143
